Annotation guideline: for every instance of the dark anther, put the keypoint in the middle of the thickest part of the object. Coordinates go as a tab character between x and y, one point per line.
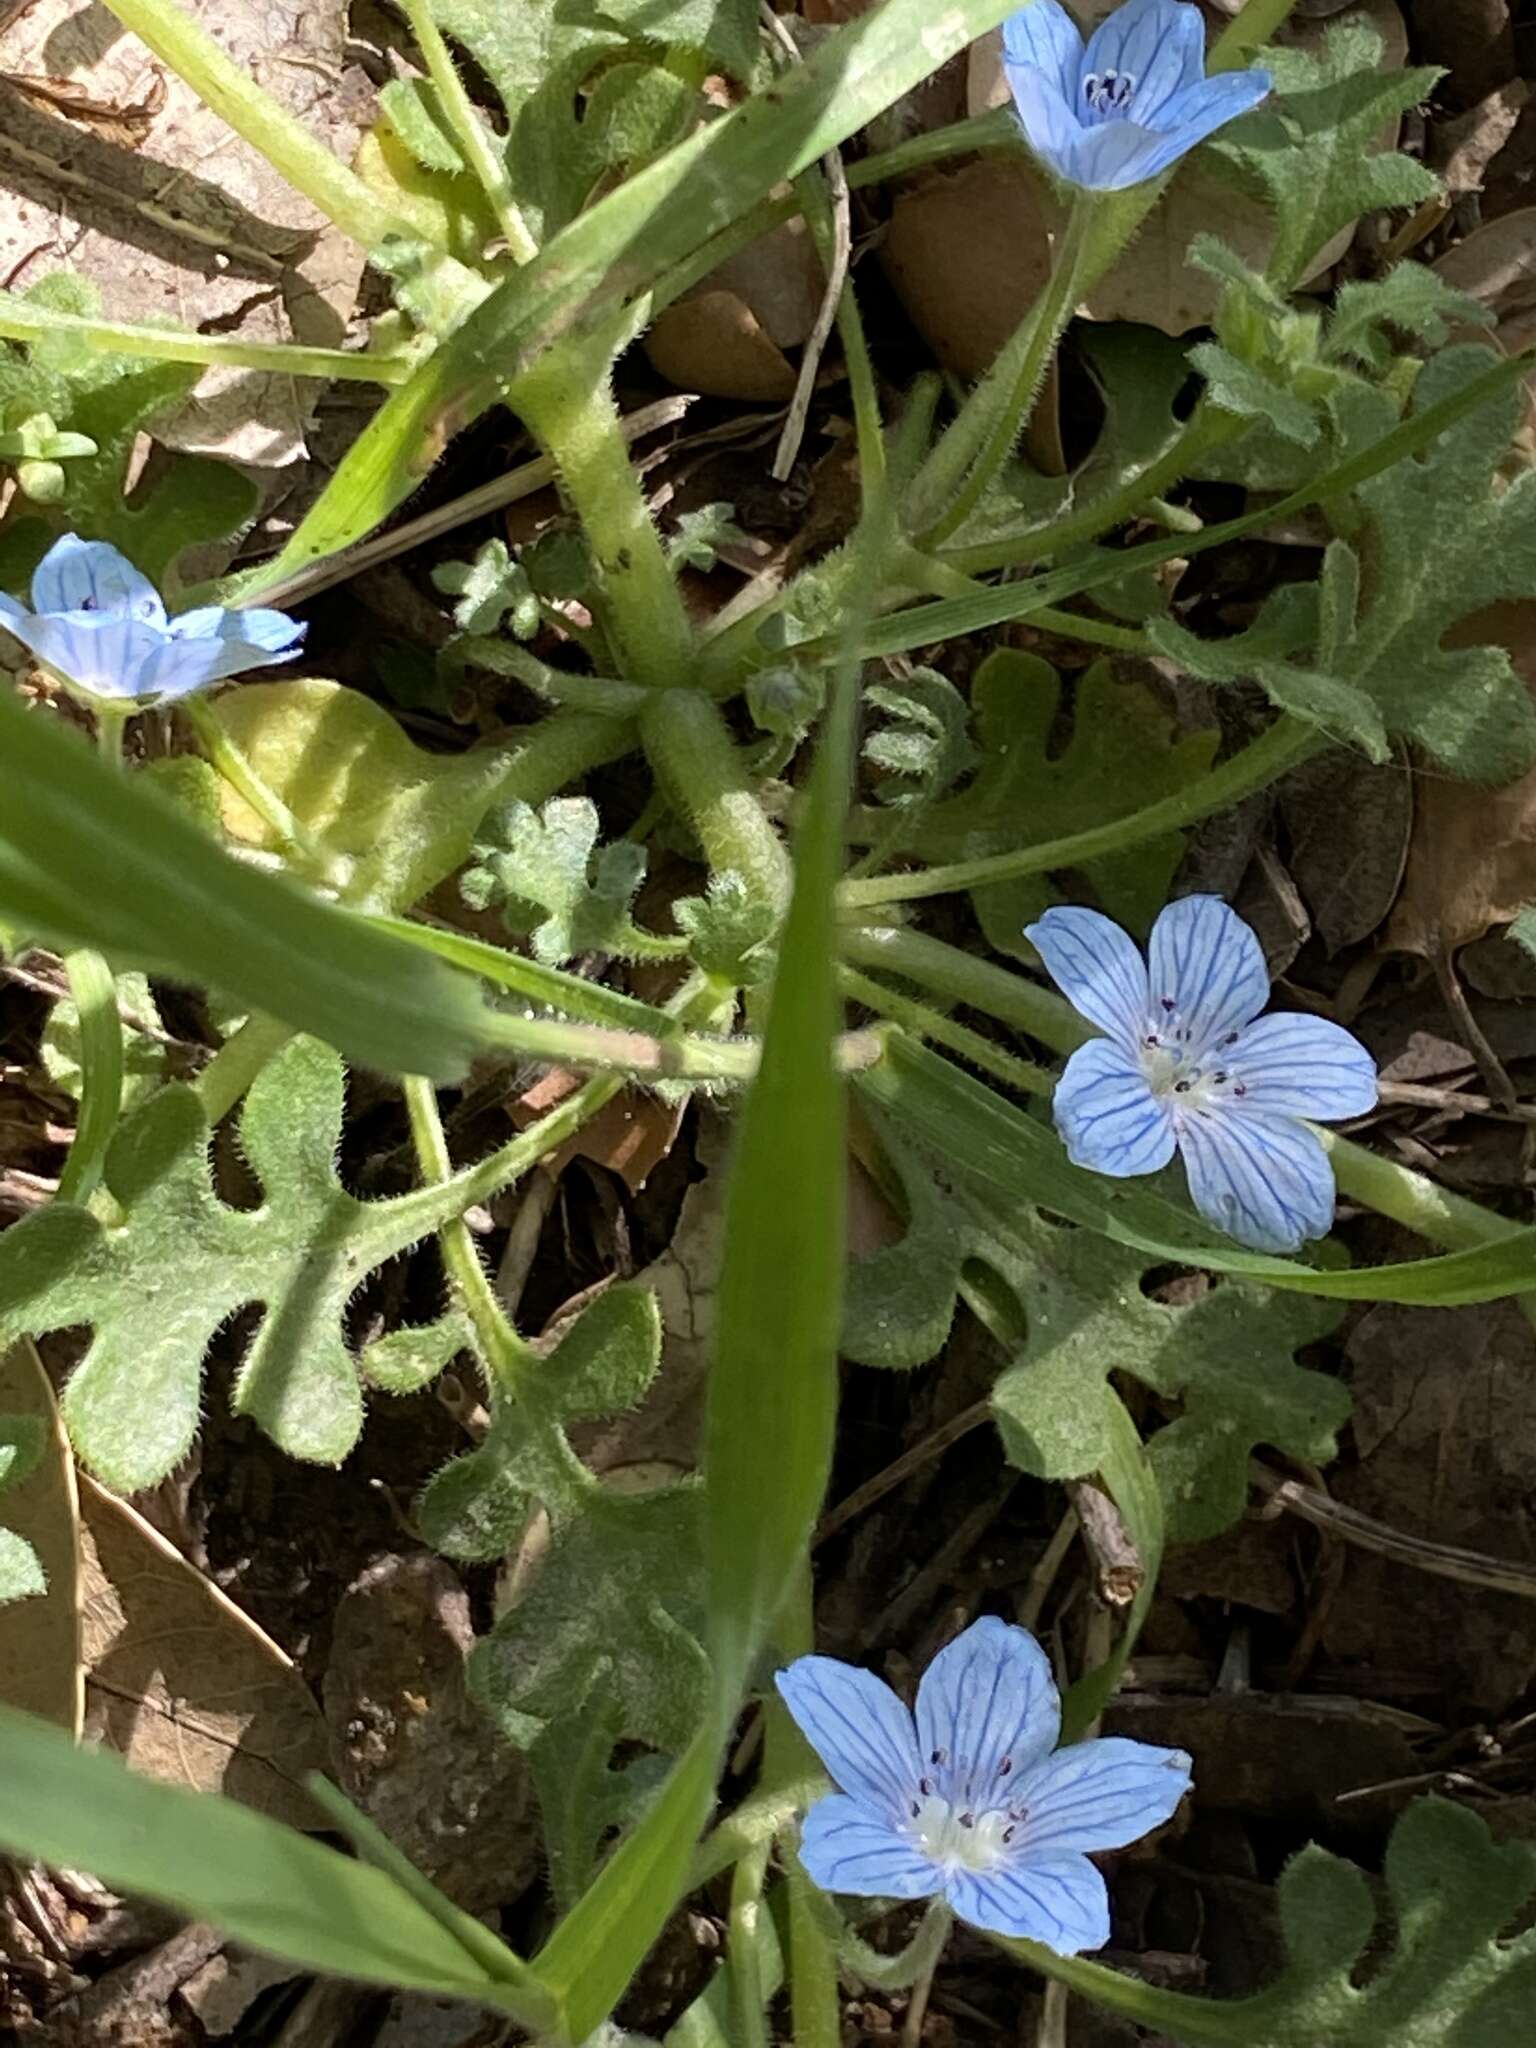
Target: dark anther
1182	1087
937	1757
1218	1078
1239	1089
967	1820
1007	1834
924	1787
1005	1767
1231	1038
1152	1039
916	1809
1169	1003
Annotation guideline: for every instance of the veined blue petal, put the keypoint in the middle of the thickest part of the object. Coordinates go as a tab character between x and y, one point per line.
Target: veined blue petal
846	1848
1049	127
91	576
1044	36
179	667
1160	43
272	632
1294	1065
1264	1180
1059	1901
859	1729
1117	155
1099	1795
104	653
1097	968
10	609
1108	1117
987	1708
1207	968
1200	109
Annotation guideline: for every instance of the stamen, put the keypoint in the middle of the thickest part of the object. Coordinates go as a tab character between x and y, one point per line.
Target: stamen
925	1788
967	1820
937	1757
1005	1767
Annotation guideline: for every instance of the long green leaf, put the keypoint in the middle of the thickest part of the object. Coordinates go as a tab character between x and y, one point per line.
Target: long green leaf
89	858
623	245
1000	1146
266	1885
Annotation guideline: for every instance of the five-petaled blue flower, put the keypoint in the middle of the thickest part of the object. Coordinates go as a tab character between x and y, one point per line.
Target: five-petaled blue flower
1183	1066
964	1800
100	627
1130	104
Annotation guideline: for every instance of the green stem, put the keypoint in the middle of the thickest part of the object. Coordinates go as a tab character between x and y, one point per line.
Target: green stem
699	766
21	320
1092	632
600	694
486	161
1255	26
569	404
229	91
962	468
505	1354
746	1978
923	1021
101	1074
1279	748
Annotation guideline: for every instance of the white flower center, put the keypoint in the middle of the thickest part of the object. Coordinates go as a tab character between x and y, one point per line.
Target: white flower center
960	1839
1179	1069
1108	93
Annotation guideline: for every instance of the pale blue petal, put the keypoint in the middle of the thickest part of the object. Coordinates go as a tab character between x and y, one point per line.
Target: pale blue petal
1044	36
1161	43
1202	108
1097	968
987	1708
1301	1066
1108	1117
1116	156
1264	1180
1099	1795
1207	972
102	652
1049	128
91	576
845	1848
10	609
181	666
859	1729
1059	1901
273	632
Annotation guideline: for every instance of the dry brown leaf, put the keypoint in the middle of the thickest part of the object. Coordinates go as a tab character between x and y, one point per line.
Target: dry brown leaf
40	1637
727	338
1462	148
1349	821
127	126
1497	265
192	224
630	1135
1472	853
178	1681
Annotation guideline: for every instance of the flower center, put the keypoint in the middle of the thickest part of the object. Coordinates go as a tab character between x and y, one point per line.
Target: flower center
1178	1068
1108	93
961	1840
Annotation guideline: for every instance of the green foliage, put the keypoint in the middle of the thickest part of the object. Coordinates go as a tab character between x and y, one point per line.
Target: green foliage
492	587
926	748
701	534
1225	1360
636	67
1122	754
89	858
267	1886
107	401
728	930
156	1285
546	874
1313	150
22	1438
1398	581
143	1045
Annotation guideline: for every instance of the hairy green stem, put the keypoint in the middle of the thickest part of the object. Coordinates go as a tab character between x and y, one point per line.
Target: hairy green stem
746	1978
227	1076
469	131
1261	762
966	462
229	91
923	1021
569	404
228	757
505	1354
21	320
700	768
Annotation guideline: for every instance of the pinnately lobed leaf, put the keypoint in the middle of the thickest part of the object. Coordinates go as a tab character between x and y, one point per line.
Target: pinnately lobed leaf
156	1285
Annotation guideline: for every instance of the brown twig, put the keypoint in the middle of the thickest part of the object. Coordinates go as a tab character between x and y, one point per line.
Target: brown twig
932	1446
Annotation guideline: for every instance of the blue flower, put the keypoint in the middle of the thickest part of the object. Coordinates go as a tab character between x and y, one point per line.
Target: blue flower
1130	104
964	1800
99	626
1182	1066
